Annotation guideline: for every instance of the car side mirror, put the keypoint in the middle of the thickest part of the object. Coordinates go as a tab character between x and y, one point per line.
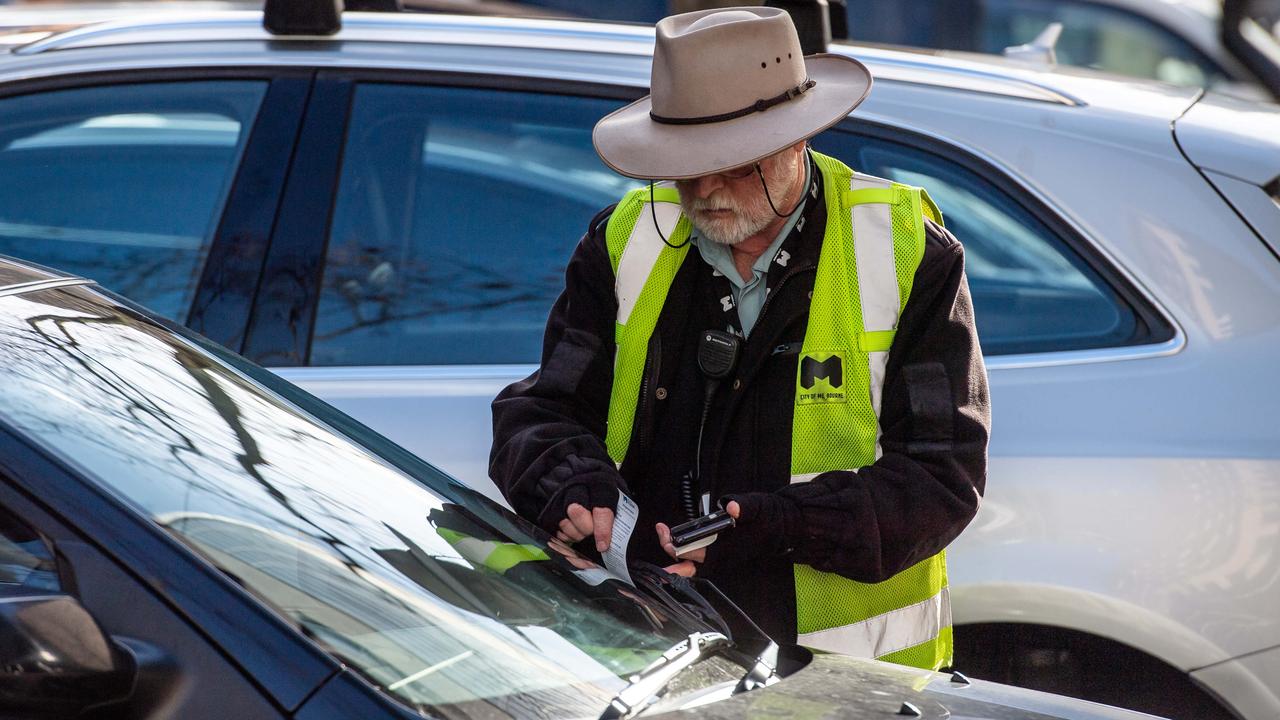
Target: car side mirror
56	661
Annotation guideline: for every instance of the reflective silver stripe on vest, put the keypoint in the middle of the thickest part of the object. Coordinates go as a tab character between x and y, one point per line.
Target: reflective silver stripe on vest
886	633
642	251
877	278
806	477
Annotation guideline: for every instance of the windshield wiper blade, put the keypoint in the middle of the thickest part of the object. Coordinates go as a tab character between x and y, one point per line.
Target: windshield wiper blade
645	686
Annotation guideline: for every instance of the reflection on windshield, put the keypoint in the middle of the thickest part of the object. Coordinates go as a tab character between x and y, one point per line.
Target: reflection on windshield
441	600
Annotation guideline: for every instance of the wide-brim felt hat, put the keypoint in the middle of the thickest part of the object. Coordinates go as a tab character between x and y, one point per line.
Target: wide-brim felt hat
729	87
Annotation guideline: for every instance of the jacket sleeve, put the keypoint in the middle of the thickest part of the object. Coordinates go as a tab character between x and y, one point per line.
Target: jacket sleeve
548	429
935	419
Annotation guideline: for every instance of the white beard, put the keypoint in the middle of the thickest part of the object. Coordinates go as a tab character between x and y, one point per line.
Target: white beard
745	221
748	217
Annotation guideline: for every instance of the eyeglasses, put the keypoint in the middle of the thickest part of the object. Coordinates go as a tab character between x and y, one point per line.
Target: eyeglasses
739	173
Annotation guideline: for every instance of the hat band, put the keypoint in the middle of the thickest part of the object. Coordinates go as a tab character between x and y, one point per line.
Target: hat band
758	106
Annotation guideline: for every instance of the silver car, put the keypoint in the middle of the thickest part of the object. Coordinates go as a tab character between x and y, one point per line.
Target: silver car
1231	47
383	216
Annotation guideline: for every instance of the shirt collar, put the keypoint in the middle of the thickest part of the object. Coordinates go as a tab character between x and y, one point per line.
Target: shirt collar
720	257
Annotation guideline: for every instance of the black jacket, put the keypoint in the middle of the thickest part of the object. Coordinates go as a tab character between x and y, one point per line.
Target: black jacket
549	428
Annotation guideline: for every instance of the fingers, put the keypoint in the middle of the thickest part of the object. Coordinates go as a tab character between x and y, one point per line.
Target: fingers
698	556
602	519
568	532
664	539
581	523
683	569
580	518
733	508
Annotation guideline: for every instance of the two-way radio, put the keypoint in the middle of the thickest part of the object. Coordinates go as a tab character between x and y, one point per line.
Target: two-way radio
717	358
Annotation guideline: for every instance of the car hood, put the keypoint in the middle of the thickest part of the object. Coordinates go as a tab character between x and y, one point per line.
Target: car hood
836	686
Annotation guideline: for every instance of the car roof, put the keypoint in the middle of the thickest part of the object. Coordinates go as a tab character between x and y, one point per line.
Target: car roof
135	41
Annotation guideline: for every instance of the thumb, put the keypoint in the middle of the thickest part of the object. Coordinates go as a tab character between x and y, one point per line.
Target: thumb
734	509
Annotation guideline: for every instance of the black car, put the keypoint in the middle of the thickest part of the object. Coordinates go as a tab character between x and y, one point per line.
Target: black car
185	535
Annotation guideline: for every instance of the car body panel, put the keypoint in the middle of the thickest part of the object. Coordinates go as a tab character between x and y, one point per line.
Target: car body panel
1261	211
1233	137
828	687
1251	682
831	686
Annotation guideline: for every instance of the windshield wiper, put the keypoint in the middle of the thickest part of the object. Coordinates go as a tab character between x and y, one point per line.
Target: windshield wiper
645	686
764	672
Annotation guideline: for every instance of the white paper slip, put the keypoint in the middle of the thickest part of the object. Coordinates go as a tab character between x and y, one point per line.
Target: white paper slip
593	576
624	523
696	544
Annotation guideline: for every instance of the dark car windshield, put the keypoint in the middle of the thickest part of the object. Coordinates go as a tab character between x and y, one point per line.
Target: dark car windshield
431	591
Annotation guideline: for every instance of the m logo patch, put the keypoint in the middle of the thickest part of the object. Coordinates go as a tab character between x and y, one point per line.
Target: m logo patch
820	378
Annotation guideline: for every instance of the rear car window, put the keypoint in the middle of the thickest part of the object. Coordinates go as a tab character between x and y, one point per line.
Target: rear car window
1031	291
123	184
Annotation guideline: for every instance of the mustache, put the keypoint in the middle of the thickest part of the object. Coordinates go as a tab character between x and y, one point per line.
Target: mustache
714	202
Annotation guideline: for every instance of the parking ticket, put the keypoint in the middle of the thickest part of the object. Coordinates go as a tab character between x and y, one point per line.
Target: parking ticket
624	523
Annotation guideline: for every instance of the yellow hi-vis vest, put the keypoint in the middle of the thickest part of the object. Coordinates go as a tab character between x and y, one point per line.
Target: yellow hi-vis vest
872	245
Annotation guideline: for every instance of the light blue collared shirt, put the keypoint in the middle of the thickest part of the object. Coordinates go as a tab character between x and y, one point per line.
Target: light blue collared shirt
749	295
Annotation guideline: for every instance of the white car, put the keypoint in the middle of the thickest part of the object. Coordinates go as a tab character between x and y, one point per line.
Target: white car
1231	47
383	216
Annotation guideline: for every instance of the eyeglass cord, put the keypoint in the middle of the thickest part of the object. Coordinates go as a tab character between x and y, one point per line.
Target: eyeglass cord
759	173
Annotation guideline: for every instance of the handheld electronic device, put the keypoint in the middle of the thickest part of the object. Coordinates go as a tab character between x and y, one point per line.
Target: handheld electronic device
700	532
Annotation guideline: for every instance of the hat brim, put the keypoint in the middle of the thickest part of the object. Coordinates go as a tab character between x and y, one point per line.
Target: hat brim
633	144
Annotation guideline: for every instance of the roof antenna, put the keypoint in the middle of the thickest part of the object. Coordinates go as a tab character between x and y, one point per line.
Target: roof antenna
374	6
302	17
1039	51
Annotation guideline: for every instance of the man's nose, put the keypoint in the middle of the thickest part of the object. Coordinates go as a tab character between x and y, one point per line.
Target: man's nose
705	185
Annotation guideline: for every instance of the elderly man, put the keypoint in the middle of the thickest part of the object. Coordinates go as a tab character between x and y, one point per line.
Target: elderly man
771	332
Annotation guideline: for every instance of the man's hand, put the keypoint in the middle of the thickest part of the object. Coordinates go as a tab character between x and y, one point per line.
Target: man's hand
688	563
581	523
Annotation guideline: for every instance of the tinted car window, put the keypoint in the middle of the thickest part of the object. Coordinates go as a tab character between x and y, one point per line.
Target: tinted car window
26	563
431	591
457	210
1031	292
122	184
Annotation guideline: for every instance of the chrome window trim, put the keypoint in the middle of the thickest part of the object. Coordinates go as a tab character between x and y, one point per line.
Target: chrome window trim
37	285
411	373
1060	358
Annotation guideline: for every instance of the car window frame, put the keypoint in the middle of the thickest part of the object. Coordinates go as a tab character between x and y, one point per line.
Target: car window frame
282	326
243	225
1155	330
